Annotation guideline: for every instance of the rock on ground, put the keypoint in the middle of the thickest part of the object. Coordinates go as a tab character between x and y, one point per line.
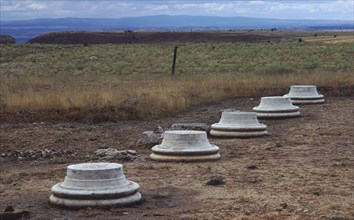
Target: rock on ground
151	138
191	126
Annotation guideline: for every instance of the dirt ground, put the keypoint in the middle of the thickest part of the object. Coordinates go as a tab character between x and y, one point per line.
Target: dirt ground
303	170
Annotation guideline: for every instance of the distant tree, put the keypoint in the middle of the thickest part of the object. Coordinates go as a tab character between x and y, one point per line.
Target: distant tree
335	36
300	40
315	35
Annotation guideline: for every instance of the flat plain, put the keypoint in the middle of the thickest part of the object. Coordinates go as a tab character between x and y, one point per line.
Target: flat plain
302	170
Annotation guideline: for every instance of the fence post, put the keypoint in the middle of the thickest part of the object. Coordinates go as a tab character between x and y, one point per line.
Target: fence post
174	60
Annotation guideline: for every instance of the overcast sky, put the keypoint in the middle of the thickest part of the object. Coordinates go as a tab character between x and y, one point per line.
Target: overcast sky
292	9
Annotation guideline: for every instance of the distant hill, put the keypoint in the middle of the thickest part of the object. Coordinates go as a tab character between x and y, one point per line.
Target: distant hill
132	37
23	30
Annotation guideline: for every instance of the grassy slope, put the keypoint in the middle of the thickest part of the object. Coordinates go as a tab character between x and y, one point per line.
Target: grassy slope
135	80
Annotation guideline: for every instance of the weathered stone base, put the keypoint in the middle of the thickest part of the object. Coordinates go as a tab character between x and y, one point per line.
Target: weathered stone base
95	184
83	203
237	134
184	158
307	101
304	94
116	192
275	115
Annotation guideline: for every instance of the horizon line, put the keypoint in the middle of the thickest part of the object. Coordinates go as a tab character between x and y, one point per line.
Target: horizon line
307	19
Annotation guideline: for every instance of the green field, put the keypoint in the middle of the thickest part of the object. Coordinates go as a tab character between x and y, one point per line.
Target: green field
135	81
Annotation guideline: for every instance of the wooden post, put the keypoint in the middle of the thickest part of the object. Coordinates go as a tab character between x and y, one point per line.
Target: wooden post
174	61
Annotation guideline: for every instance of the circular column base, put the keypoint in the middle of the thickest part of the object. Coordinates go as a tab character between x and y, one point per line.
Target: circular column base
184	158
275	115
102	192
307	101
237	134
83	203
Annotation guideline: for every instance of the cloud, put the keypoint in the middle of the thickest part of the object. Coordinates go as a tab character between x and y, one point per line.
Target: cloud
316	9
213	6
27	5
290	9
185	6
118	5
256	2
157	7
37	5
206	7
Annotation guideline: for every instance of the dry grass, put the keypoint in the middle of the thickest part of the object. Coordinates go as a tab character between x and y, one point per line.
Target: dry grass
156	97
133	81
330	38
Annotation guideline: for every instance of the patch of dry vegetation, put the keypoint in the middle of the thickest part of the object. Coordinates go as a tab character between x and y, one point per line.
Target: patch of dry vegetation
134	81
333	39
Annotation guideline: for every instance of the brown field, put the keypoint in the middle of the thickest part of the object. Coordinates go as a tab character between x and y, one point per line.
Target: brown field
304	168
111	82
330	39
60	103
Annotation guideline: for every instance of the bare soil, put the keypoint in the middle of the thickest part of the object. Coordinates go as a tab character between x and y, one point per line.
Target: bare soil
303	170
